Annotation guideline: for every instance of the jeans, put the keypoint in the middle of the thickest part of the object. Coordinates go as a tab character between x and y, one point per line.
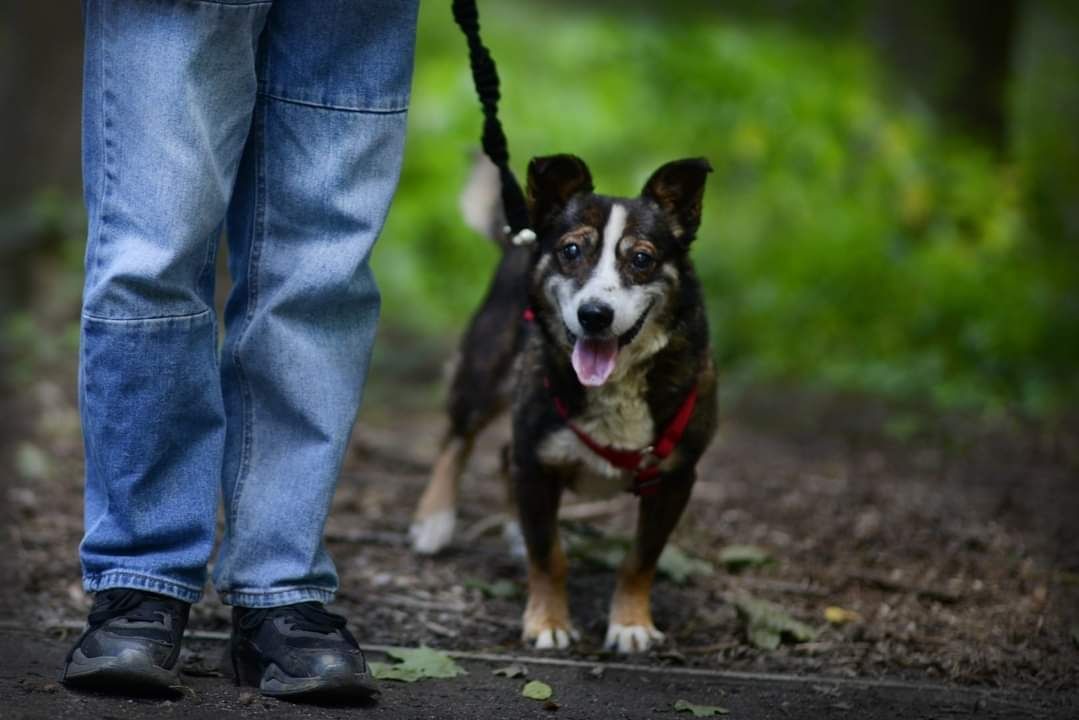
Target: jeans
285	121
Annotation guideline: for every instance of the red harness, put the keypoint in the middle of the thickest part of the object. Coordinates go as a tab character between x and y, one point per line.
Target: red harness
643	463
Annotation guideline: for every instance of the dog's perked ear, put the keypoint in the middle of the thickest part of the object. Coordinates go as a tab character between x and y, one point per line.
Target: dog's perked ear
677	188
552	181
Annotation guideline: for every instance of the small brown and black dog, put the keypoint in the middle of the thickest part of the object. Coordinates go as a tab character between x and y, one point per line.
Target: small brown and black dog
596	334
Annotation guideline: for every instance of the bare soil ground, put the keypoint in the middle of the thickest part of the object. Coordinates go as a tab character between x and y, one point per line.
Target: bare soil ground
956	546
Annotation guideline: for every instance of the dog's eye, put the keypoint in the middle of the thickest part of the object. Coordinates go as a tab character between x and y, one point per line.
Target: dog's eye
642	260
571	252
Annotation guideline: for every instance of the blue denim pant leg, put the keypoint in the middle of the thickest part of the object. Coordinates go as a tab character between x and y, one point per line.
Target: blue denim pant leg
169	90
313	95
319	170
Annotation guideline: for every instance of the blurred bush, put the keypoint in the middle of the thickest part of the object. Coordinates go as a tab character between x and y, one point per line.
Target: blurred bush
854	239
849	240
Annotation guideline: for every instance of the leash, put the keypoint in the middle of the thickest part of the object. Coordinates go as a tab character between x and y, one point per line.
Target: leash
493	140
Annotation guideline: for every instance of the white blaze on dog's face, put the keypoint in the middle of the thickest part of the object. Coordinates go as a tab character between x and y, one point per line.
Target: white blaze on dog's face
609	267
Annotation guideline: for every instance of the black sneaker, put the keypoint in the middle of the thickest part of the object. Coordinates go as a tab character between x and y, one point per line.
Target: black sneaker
131	643
299	651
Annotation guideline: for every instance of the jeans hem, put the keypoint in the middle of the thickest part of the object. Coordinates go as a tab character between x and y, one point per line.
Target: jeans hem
275	598
140	581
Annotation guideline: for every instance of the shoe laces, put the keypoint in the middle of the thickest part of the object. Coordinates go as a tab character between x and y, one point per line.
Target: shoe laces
130	604
306	616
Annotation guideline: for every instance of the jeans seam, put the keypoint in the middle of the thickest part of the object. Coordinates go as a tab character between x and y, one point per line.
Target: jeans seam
255	247
93	257
338	108
209	264
231	4
148	318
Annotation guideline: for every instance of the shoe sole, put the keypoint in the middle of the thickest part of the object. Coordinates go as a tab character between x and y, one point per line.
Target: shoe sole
131	672
275	682
341	687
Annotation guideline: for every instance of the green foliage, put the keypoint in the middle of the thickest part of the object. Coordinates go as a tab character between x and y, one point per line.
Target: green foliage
537	690
767	624
699	710
739	557
608	551
847	241
416	664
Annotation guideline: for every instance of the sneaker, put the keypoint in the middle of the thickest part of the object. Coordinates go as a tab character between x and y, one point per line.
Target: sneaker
131	643
298	651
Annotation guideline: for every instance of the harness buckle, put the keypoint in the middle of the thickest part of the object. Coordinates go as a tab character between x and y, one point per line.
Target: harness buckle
649	459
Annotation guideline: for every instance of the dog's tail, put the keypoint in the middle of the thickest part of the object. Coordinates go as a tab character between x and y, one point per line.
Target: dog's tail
481	201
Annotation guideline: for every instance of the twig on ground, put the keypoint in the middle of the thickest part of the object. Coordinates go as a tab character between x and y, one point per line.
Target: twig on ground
410	602
483	526
577	511
438	629
884	582
779	586
492	620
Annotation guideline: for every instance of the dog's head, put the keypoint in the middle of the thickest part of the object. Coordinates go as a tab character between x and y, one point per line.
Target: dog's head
607	268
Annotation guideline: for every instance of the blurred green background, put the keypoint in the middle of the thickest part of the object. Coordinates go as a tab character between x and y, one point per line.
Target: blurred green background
893	213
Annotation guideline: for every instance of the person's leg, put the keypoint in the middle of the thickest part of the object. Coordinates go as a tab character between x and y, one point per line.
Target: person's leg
168	95
319	170
318	173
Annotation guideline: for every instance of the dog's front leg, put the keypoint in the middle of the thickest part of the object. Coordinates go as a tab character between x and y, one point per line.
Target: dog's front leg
546	621
630	629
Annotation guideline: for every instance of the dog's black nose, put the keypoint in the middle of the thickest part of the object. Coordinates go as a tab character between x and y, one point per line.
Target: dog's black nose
595	317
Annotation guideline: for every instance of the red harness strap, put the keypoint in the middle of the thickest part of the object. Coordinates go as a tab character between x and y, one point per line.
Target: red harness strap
644	463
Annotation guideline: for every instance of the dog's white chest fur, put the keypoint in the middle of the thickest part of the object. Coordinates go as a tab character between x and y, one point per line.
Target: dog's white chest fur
616	416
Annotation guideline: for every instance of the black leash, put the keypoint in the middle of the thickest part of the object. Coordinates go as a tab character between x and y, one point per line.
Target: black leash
485	76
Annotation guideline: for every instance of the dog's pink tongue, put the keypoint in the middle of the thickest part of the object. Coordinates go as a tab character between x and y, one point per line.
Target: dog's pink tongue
594	360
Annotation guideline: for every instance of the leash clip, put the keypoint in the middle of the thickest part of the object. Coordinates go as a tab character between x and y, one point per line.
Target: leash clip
525	237
649	459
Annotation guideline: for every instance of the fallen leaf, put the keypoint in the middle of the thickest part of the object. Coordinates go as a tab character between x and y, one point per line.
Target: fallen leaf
596	549
680	566
740	557
537	690
700	710
767	625
502	589
608	551
840	616
416	664
511	671
31	462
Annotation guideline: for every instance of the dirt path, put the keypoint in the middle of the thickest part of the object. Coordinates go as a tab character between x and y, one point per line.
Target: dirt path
28	690
956	549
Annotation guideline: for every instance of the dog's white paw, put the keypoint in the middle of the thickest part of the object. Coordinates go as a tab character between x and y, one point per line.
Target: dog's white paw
627	639
515	540
555	638
433	533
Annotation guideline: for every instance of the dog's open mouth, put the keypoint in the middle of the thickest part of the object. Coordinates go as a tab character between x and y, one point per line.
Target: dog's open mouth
594	359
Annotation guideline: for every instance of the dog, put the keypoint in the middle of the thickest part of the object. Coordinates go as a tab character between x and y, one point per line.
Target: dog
595	334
